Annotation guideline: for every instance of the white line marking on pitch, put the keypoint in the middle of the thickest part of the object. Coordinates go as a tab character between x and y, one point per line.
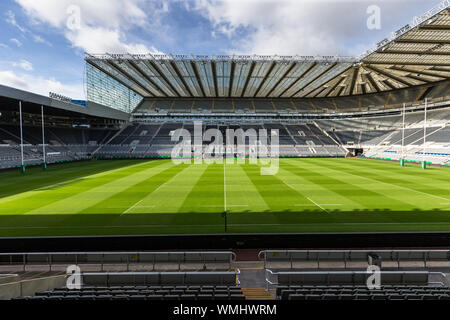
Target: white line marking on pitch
391	184
224	188
290	186
317	205
132	207
159	187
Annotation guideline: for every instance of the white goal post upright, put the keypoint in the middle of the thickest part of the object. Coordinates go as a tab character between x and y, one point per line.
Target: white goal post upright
424	134
402	159
21	138
44	165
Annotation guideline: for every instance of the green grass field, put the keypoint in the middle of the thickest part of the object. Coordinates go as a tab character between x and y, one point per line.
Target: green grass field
157	197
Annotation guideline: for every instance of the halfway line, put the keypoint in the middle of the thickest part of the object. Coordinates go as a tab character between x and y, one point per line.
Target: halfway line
224	188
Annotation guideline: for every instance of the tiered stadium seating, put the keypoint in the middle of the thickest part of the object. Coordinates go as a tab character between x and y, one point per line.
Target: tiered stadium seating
150	286
167	292
381	135
352	285
156	139
336	292
377	136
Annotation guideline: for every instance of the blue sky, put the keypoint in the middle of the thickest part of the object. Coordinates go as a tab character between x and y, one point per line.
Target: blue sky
42	42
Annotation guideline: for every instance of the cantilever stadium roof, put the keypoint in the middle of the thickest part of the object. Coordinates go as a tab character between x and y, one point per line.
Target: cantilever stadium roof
417	54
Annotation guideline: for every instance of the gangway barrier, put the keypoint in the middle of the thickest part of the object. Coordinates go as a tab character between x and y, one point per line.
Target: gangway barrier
124	258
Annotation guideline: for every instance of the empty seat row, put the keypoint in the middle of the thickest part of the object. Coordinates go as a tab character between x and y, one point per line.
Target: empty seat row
142	293
366	297
159	278
362	293
153	287
346	288
138	297
163	291
351	278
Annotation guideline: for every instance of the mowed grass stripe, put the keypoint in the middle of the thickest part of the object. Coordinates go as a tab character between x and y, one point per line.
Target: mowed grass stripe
13	182
434	173
170	195
242	194
329	193
369	195
393	179
207	194
125	200
277	195
31	200
427	177
85	199
53	192
284	217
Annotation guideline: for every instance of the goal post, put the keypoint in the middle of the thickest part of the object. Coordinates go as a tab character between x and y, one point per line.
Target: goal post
424	165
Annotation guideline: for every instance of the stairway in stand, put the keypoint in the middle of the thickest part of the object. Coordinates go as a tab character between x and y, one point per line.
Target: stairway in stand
258	294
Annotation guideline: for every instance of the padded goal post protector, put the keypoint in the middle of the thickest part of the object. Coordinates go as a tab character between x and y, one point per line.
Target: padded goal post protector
424	165
402	162
22	169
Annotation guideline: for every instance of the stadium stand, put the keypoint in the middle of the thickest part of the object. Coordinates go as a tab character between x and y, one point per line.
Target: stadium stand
321	283
342	292
150	286
335	285
142	292
375	135
371	106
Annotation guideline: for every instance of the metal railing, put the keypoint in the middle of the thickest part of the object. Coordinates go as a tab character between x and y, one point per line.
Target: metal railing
322	278
347	256
122	258
160	278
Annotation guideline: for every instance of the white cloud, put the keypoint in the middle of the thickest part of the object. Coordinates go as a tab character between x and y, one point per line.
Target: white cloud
105	13
102	22
11	19
16	42
2	45
24	64
289	27
40	85
275	27
39	39
100	40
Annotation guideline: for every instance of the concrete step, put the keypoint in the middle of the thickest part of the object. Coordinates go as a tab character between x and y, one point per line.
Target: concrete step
257	294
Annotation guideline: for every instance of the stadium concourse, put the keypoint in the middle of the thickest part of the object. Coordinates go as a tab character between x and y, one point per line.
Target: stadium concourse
331	120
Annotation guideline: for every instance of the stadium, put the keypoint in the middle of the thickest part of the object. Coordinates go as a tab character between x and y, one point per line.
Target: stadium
166	164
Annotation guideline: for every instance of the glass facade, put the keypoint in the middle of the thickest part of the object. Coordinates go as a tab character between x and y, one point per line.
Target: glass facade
107	91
